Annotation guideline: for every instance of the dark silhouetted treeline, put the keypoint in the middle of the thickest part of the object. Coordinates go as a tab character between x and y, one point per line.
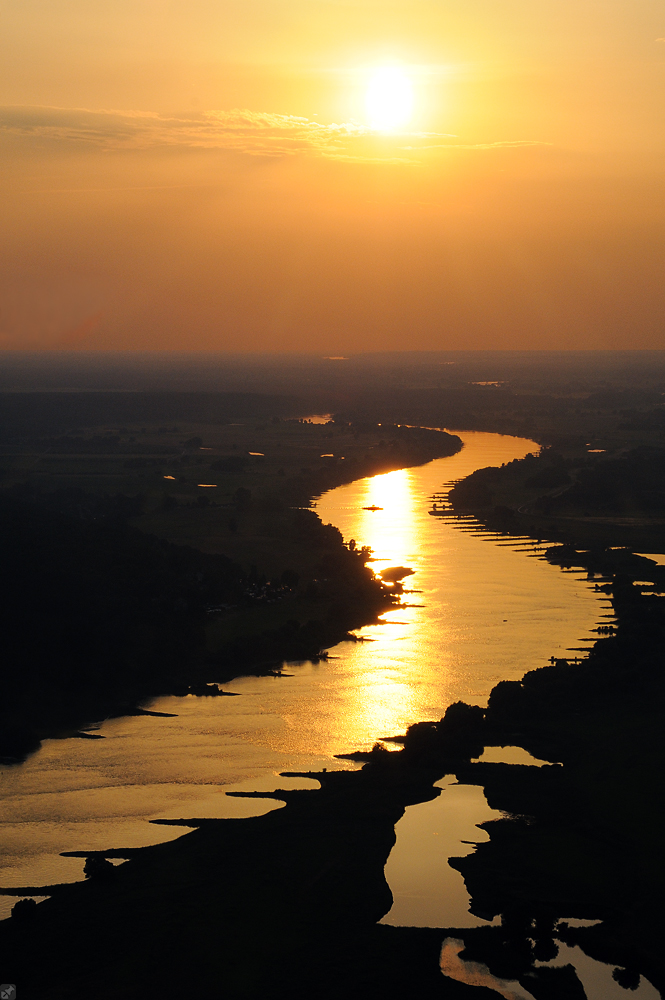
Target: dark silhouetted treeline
629	485
48	413
99	616
580	838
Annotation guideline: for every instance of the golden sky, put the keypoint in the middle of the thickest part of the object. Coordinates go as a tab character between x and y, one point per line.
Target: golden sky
209	174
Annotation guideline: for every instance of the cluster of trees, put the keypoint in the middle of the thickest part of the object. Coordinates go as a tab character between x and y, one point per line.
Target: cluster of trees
631	484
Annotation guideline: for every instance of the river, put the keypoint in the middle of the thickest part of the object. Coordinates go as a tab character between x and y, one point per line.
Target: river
484	610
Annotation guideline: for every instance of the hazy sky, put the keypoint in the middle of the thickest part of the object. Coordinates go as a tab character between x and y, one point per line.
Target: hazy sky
208	174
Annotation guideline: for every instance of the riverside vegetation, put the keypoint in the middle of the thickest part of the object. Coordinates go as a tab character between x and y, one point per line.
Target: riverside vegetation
303	887
582	837
165	559
287	904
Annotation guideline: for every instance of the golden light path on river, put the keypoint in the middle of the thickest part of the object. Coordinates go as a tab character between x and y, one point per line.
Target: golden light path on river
488	612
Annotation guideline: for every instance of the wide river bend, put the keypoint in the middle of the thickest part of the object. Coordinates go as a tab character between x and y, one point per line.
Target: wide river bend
487	609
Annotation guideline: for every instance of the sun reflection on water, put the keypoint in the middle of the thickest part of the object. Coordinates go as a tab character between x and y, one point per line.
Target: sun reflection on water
485	613
382	705
472	613
390	532
384	698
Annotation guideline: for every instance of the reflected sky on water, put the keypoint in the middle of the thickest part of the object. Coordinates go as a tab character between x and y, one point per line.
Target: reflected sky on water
486	612
427	892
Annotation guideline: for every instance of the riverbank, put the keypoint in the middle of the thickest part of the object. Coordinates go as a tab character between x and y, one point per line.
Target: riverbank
280	905
317	956
117	598
588	498
602	723
580	840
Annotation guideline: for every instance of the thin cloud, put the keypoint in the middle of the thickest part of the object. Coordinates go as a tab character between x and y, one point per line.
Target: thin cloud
243	131
507	144
251	133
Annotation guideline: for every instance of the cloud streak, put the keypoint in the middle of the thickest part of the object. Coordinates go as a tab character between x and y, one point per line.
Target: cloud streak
507	144
241	131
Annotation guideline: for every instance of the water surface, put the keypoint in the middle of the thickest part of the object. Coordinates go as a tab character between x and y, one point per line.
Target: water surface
486	612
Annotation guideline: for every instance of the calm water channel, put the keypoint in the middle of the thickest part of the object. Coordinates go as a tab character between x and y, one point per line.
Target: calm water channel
487	610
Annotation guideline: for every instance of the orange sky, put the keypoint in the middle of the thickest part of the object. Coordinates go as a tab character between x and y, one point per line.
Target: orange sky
202	174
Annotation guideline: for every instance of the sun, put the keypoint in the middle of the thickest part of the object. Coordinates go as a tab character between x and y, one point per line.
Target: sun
389	98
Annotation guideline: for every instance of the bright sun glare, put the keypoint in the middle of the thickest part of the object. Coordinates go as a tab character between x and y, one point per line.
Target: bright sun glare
389	98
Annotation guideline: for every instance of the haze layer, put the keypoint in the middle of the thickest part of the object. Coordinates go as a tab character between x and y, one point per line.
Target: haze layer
335	176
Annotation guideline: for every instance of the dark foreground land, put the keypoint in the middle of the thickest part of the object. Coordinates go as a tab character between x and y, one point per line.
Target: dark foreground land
286	905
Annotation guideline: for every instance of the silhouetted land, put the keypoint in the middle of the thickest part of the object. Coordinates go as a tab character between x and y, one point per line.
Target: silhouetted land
128	579
590	499
281	905
285	905
582	839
